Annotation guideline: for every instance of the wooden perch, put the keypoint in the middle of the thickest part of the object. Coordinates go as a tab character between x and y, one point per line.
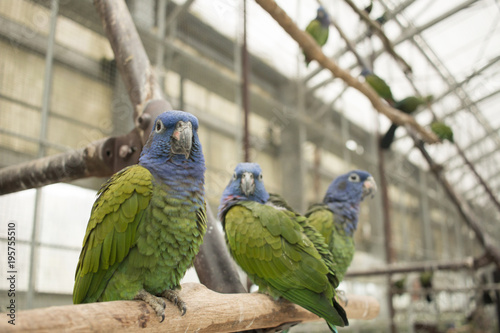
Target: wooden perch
207	311
313	50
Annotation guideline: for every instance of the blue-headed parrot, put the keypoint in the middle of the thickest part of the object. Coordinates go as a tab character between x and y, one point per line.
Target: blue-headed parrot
336	218
148	221
318	29
271	245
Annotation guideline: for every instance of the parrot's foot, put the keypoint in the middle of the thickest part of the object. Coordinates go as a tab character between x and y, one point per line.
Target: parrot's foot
342	296
173	296
157	303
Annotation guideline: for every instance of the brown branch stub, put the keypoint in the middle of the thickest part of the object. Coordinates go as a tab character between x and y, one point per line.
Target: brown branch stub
307	43
207	311
94	160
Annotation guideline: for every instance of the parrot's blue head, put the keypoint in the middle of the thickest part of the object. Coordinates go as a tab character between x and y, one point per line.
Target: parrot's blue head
173	139
246	183
351	187
322	16
365	71
345	194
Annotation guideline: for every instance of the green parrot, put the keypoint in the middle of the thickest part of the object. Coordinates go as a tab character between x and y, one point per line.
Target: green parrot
399	286
368	9
443	131
148	221
318	29
379	85
336	218
407	105
425	279
275	247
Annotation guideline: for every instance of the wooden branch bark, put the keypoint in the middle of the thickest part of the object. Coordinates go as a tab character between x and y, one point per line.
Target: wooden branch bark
214	266
207	311
380	33
313	50
89	161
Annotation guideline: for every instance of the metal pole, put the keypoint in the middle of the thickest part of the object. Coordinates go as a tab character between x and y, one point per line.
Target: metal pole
47	89
244	87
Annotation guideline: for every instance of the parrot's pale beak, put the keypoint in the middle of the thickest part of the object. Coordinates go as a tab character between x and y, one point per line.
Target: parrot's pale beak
369	187
183	138
247	183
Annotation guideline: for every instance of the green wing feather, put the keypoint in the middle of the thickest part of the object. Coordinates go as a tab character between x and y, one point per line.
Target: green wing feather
317	238
340	245
111	230
318	32
381	87
443	131
271	246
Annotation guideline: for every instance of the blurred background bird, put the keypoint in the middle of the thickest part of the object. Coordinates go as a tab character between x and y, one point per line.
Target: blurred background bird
318	29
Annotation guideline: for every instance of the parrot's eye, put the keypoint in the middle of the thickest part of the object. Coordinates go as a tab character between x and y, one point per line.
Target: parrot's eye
234	176
260	176
159	127
353	177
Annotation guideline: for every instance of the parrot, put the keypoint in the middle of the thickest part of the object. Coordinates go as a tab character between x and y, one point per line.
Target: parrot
426	283
443	131
148	221
407	105
379	85
336	218
271	245
399	286
368	9
318	29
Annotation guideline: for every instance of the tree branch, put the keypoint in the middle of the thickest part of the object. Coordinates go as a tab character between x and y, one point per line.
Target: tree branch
307	43
463	207
207	311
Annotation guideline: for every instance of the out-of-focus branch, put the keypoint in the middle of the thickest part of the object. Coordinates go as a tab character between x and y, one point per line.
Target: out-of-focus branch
214	266
463	207
380	33
313	50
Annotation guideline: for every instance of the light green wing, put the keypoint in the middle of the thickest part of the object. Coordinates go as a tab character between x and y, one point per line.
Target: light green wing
321	218
270	246
340	245
312	233
318	32
111	230
380	87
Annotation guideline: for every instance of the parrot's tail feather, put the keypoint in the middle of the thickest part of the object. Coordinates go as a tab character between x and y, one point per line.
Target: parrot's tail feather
341	312
332	328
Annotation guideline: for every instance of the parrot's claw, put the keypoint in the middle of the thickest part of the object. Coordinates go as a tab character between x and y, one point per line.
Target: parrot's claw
157	303
342	296
173	296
